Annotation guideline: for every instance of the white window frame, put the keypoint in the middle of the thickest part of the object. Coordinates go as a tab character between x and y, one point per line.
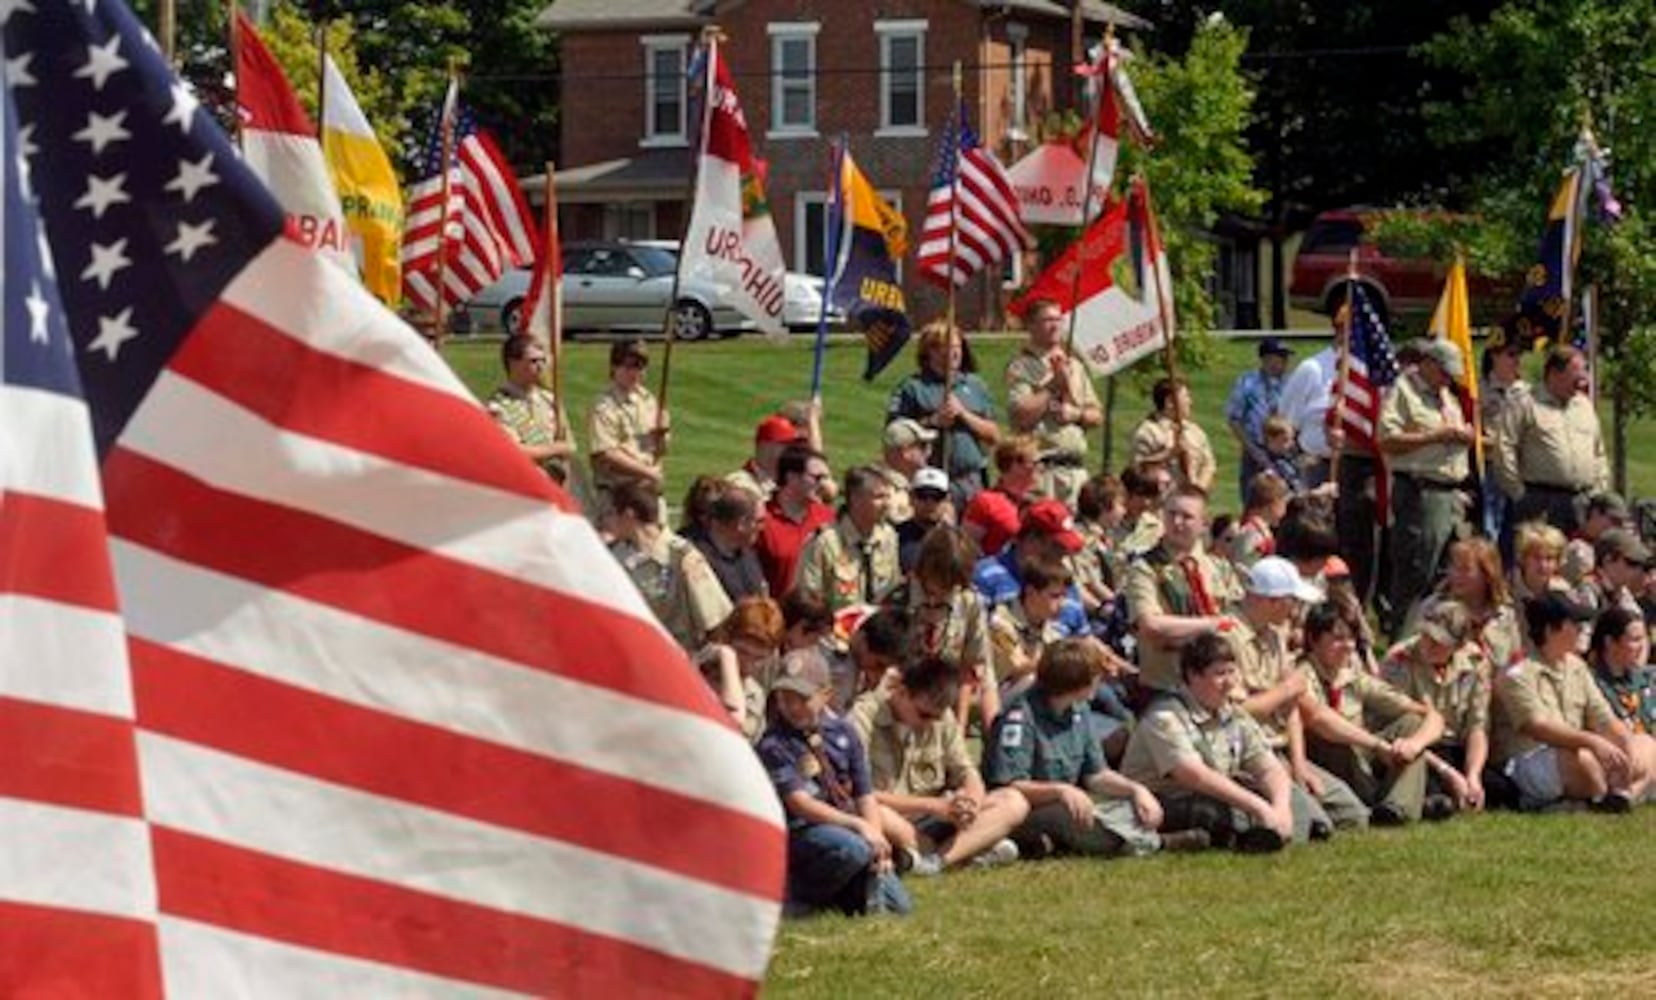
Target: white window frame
887	31
1017	39
652	44
780	33
804	199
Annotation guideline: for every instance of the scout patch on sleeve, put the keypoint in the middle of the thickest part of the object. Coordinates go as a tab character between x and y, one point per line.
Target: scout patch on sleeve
1012	735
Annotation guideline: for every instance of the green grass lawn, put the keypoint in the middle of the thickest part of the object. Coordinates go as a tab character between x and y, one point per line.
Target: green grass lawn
1489	905
721	389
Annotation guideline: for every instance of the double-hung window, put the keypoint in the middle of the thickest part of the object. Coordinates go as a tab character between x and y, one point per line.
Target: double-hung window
664	89
793	78
902	77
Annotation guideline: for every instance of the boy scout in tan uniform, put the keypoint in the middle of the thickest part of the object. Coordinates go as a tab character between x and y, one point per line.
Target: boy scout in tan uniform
672	574
526	410
1426	440
622	430
1177	590
1459	689
1549	448
854	560
1051	397
1181	444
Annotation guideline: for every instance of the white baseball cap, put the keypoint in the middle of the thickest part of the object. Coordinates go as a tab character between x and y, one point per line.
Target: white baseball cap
930	479
1274	576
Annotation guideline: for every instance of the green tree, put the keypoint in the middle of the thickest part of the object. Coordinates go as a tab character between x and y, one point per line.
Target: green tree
1530	75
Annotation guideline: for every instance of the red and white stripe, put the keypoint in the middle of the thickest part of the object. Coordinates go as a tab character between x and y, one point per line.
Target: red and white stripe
1361	412
77	897
489	227
982	207
403	725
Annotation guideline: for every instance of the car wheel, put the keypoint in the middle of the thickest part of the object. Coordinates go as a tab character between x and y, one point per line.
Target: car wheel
512	318
691	320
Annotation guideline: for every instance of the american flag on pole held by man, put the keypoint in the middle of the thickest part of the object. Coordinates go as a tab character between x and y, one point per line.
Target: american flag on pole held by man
487	223
331	693
1373	368
971	196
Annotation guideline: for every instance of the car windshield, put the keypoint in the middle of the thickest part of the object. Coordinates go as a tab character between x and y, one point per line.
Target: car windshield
1331	236
655	260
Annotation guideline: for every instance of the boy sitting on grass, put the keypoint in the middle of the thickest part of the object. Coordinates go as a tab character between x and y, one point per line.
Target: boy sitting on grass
1042	747
838	856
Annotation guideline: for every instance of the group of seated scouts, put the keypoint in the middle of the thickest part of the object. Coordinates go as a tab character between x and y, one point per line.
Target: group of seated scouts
1140	675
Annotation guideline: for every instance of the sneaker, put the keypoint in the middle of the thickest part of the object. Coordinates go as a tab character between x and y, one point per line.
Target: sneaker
1186	841
925	865
1437	808
1004	852
1386	814
1615	803
1320	831
1259	840
902	859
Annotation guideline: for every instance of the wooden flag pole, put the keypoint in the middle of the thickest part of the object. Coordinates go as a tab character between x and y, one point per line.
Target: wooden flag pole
711	36
1170	355
1344	339
232	34
947	450
549	253
166	26
440	334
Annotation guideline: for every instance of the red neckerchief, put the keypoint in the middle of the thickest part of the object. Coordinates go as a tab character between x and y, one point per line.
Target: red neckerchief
1205	605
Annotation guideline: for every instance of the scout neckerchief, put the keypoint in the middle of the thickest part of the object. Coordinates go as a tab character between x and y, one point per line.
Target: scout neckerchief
825	774
1199	594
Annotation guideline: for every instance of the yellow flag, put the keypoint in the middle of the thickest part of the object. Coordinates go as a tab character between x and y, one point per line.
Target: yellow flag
1452	321
368	188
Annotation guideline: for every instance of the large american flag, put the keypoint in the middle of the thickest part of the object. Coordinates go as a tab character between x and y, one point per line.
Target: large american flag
1373	367
339	698
972	196
488	223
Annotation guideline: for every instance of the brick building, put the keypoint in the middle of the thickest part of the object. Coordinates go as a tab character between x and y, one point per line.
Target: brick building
807	71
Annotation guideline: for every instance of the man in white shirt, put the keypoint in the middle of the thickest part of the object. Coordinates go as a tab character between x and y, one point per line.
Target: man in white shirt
1307	397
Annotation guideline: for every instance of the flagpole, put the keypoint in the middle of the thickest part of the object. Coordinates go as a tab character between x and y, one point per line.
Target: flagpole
1344	373
322	83
830	260
166	25
440	334
710	38
555	302
1170	356
1087	194
946	452
233	39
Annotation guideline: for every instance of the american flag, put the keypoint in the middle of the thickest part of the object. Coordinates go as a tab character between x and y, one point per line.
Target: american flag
1373	368
971	195
338	698
489	226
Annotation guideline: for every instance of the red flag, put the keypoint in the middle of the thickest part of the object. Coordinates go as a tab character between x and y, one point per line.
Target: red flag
1095	253
403	727
279	143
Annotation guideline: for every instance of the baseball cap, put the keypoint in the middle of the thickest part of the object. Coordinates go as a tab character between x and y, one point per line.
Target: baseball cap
1274	576
1445	623
1445	354
1621	543
1052	518
904	432
1335	568
1273	345
804	672
1610	504
1553	608
776	429
929	479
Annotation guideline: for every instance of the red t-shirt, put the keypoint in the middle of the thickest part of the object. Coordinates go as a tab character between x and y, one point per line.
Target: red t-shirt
996	514
781	541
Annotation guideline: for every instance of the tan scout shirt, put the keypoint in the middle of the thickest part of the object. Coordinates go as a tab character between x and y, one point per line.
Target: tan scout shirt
902	761
1159	584
1460	693
1361	698
832	567
1261	660
1556	443
1153	440
622	424
955	629
1176	729
530	418
1129	541
1413	407
1029	372
1532	691
1016	643
677	583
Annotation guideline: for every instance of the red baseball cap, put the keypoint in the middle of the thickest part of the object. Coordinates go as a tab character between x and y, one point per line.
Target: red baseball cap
776	429
1052	518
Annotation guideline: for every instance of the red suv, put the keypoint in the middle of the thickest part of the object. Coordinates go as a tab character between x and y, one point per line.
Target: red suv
1398	285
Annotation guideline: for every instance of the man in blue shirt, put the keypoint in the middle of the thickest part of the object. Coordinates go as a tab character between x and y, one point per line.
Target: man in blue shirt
1255	396
1046	527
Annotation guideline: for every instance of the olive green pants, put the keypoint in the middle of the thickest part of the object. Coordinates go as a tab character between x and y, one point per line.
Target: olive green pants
1372	777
